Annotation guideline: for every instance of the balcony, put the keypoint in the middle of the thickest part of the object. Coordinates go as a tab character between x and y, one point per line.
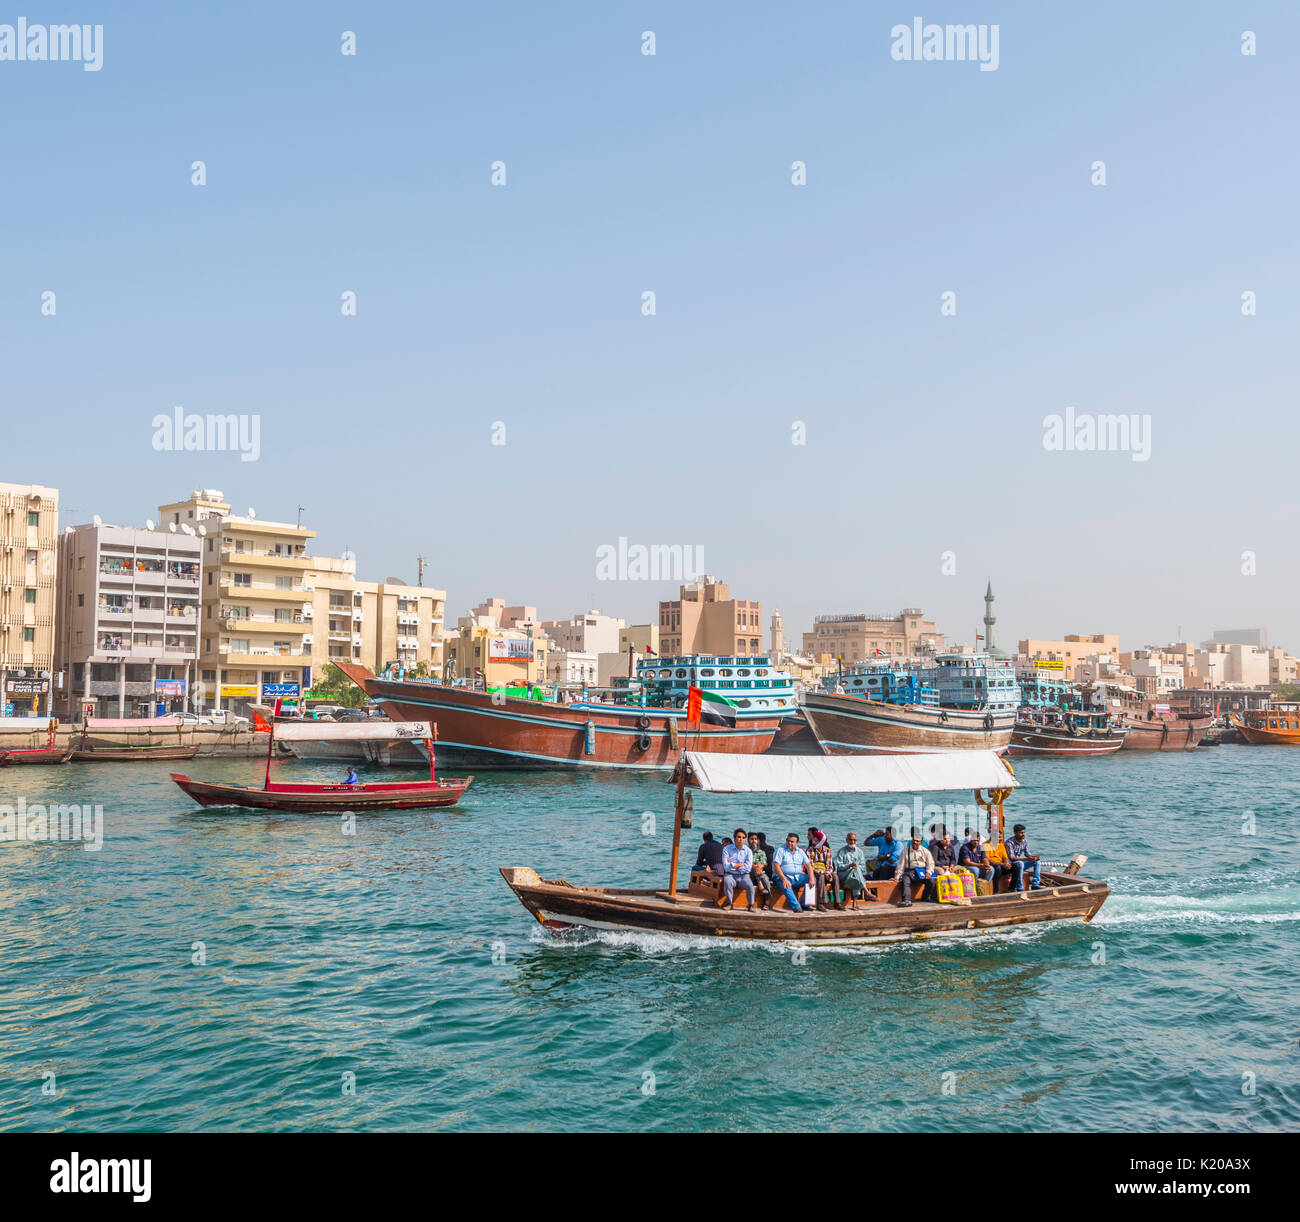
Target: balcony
262	623
261	589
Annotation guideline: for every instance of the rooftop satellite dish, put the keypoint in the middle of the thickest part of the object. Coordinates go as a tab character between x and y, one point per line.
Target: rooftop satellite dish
187	528
203	530
148	524
171	526
252	513
98	521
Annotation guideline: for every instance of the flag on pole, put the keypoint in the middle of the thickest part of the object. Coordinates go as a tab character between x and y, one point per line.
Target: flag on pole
878	653
650	651
709	708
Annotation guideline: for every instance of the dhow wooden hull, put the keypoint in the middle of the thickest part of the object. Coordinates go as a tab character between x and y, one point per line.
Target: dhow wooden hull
848	725
326	799
1166	734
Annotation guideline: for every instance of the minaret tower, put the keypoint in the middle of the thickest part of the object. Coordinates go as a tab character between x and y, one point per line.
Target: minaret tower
778	637
989	620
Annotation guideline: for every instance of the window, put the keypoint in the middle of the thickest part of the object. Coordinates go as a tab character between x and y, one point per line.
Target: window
241	579
29	597
29	634
33	518
81	600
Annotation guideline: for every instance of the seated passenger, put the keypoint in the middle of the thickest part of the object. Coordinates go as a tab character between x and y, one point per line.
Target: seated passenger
943	850
1021	859
710	855
758	846
976	860
996	852
352	777
791	867
915	867
851	869
737	862
887	853
823	868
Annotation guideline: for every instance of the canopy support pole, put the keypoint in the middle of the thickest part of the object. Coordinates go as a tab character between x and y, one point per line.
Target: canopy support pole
270	746
677	821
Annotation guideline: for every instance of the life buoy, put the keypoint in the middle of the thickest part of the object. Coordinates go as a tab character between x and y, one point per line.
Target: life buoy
643	743
643	722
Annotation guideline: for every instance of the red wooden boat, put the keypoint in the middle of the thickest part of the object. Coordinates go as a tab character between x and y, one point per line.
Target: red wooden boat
478	729
326	799
48	754
37	755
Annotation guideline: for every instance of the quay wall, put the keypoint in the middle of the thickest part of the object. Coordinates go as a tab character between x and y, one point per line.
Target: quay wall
213	742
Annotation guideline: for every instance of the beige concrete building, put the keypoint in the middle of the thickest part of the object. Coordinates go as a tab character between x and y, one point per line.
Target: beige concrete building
480	652
128	622
706	619
256	631
1071	650
591	632
29	528
857	637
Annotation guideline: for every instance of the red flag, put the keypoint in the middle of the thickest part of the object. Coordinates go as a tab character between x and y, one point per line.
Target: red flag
260	724
694	699
650	651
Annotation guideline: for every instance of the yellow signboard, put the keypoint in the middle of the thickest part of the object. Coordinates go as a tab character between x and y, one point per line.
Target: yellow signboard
1048	664
238	691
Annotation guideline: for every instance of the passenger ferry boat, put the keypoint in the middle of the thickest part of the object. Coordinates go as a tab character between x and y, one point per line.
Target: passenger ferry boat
961	701
1275	727
750	682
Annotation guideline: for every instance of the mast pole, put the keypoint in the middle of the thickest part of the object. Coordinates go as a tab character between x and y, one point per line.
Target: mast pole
270	746
428	742
677	821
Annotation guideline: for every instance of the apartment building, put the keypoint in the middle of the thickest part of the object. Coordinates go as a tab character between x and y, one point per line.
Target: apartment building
29	527
128	621
860	637
503	645
590	632
256	630
704	618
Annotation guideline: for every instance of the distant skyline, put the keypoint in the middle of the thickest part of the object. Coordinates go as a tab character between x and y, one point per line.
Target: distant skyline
800	407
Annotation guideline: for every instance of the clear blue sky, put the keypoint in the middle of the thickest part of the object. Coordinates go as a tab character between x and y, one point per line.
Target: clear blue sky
629	173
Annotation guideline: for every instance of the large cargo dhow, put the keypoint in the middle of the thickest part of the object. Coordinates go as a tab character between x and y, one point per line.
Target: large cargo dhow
1160	729
962	702
479	729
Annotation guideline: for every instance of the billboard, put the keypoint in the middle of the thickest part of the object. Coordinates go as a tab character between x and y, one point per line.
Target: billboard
510	649
172	688
279	691
239	691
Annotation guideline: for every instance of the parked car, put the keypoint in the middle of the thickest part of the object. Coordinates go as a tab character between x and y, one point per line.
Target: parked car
218	717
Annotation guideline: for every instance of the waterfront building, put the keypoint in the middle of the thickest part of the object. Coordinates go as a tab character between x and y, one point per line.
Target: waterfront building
256	636
705	619
128	621
565	666
590	632
497	645
859	637
1282	667
1072	650
1239	636
29	527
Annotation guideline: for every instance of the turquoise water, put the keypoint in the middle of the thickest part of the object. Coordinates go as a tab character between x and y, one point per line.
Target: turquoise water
399	955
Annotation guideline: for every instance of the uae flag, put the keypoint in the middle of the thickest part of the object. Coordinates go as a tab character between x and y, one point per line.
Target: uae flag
709	709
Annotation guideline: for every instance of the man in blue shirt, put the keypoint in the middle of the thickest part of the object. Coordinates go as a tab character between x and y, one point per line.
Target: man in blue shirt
888	851
737	862
790	869
1021	859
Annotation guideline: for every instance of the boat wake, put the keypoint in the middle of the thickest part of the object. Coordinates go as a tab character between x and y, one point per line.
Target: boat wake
1256	906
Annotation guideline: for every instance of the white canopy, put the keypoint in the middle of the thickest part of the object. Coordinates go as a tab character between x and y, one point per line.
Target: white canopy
933	772
351	731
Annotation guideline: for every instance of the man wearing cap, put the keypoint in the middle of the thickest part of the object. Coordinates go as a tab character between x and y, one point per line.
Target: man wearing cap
915	868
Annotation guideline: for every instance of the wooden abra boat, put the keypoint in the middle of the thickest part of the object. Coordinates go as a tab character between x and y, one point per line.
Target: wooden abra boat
1275	727
100	755
559	906
36	755
848	725
326	799
48	754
